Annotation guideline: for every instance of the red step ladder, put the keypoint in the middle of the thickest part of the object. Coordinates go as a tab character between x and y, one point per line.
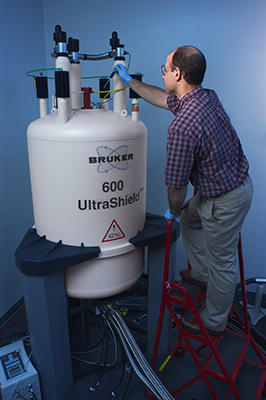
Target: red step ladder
174	293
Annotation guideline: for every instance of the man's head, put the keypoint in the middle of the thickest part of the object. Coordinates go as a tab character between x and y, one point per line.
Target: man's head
184	66
192	63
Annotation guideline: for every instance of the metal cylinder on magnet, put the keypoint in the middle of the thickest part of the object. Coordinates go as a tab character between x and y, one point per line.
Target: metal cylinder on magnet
135	109
134	96
41	84
74	74
62	95
119	97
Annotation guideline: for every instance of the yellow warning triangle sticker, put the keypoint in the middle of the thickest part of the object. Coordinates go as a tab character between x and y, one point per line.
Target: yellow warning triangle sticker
114	232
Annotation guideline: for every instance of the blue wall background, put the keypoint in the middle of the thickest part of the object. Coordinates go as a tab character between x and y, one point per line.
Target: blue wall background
232	36
22	47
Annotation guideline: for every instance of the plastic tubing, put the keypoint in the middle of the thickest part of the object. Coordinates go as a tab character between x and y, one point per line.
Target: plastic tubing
109	91
156	384
149	370
155	381
29	73
95	77
132	362
88	57
138	372
143	362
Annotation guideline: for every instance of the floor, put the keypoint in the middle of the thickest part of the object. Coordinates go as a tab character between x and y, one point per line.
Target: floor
101	370
118	381
179	371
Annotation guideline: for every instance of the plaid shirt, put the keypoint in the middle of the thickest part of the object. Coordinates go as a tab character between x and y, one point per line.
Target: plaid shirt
202	145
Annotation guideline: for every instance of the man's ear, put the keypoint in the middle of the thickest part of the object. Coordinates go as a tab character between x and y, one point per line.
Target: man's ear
178	74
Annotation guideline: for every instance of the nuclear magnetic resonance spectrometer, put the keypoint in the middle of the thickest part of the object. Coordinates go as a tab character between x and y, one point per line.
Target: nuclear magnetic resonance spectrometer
88	170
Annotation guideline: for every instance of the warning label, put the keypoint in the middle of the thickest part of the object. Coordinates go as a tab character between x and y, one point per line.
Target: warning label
114	232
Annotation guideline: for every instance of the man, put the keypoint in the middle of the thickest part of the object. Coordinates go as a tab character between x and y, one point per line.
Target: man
203	148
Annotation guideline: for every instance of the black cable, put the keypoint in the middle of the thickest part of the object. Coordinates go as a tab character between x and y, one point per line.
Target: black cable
247	282
120	379
107	344
34	396
97	368
257	335
20	395
97	105
12	338
88	57
11	312
251	296
94	387
102	360
123	371
98	54
123	395
259	338
9	318
92	346
103	357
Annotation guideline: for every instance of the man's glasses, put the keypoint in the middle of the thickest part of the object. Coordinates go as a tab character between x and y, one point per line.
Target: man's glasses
163	69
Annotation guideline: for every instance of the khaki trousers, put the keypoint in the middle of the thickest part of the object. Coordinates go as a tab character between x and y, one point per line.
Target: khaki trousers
210	230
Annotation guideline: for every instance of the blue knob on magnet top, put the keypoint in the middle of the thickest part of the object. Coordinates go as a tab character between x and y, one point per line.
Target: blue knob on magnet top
168	215
122	72
112	74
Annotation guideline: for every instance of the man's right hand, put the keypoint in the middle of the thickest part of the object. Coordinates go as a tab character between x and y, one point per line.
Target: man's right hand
169	216
152	94
122	72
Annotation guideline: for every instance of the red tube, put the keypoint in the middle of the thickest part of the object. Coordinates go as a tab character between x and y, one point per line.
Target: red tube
87	97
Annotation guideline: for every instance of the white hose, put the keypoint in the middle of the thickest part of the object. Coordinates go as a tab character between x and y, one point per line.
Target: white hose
155	385
141	359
